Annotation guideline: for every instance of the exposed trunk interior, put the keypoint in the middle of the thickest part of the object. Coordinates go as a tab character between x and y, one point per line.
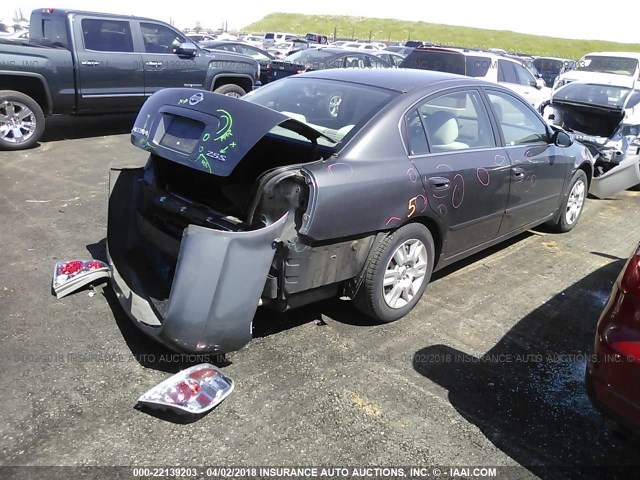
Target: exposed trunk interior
264	186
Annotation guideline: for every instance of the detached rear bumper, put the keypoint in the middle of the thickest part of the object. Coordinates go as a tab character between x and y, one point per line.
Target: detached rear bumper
216	282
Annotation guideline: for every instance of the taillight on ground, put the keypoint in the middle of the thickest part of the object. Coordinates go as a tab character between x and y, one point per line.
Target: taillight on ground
195	390
72	275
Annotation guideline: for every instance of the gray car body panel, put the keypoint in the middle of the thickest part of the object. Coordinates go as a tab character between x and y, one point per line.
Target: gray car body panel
218	280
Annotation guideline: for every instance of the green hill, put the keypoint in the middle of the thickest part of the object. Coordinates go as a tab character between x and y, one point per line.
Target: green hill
384	30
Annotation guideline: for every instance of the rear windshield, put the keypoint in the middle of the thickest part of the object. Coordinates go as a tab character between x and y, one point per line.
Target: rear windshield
604	64
450	62
268	36
335	109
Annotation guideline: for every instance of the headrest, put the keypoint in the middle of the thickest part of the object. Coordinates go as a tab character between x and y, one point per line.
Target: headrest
442	127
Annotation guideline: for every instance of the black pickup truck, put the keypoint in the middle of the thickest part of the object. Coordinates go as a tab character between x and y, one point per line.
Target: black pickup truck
93	63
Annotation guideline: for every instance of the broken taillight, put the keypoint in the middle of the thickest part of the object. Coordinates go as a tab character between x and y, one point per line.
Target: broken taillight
195	390
71	275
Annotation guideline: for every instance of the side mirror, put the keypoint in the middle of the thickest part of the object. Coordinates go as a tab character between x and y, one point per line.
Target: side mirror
561	139
186	49
540	83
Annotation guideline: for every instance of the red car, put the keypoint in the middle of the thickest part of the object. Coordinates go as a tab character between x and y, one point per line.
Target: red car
613	373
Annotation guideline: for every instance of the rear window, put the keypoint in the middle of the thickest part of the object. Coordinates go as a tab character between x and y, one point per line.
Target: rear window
450	62
268	36
336	109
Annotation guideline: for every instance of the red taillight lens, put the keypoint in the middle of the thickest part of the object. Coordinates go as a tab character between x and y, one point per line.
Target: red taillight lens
631	277
624	341
72	267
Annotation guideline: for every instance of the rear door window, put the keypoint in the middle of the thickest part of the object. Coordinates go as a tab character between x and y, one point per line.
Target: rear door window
106	35
506	72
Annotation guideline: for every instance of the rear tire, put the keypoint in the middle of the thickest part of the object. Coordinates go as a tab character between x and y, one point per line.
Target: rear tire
573	205
397	274
21	121
231	90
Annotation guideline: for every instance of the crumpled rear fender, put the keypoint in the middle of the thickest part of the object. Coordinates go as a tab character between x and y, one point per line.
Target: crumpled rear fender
218	281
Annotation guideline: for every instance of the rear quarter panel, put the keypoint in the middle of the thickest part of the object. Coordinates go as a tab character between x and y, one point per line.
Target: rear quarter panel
54	67
371	186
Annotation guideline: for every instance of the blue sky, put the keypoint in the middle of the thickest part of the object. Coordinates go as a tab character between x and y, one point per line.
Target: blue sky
568	19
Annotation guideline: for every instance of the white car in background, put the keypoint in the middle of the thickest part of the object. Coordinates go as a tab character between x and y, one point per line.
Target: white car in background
274	38
604	68
487	66
254	40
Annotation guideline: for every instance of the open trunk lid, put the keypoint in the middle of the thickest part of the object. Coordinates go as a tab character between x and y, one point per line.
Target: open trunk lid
207	131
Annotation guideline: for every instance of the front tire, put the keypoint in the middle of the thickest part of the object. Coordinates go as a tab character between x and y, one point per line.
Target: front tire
231	90
573	205
21	121
397	274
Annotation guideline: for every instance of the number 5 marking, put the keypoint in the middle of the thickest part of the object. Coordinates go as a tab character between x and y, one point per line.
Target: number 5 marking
412	206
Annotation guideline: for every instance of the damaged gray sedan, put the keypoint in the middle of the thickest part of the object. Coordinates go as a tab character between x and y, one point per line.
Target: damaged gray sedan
605	118
336	182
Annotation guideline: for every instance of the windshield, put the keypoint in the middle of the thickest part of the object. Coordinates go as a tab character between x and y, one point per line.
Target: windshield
548	65
603	64
335	109
597	95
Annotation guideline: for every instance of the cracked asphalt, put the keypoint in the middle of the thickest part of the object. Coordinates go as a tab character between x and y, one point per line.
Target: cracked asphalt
487	370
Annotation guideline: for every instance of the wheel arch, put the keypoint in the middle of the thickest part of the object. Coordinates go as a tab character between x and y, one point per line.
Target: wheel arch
436	228
30	84
243	81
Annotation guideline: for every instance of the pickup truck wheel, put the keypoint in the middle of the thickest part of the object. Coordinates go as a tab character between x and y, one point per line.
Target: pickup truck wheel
230	90
573	205
397	274
21	121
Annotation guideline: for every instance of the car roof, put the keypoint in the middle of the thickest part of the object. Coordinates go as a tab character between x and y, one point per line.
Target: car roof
398	79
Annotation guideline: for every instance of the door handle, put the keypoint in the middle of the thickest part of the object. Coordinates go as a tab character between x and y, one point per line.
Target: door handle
90	63
518	173
439	183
